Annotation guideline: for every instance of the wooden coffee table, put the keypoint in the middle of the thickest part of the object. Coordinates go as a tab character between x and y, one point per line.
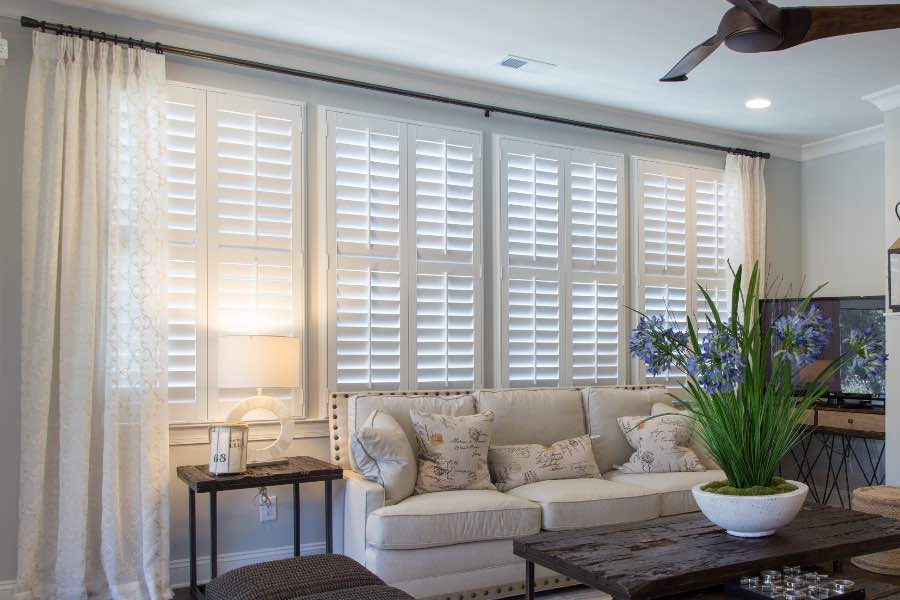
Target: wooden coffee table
685	553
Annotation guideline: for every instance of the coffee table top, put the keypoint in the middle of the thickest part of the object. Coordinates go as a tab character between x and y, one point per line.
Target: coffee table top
671	555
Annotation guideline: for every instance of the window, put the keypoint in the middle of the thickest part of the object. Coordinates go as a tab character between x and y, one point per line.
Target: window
561	248
404	255
235	244
681	242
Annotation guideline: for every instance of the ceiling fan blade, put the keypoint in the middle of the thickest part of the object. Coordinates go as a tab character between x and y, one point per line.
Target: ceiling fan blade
692	59
750	7
807	23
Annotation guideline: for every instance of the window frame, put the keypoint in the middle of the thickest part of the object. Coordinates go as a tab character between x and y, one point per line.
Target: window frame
565	273
203	410
409	265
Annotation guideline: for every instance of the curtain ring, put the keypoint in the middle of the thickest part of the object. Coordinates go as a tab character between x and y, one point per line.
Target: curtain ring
159	48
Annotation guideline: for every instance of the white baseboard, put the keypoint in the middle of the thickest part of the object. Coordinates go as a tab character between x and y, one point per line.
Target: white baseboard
179	569
7	589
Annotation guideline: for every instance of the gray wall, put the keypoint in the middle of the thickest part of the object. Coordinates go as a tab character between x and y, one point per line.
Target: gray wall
843	221
239	529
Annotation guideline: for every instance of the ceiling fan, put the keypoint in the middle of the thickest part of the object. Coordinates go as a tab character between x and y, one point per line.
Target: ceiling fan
757	26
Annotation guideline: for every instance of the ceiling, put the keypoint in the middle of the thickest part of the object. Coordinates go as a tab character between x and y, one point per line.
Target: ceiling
607	52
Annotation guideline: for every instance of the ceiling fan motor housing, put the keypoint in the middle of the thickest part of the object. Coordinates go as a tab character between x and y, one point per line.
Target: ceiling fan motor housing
744	33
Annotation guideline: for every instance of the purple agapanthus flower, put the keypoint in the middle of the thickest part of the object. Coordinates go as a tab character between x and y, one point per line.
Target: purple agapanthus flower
720	365
867	349
800	336
656	343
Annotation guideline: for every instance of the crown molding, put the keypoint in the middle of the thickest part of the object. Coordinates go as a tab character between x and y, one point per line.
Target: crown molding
885	100
852	140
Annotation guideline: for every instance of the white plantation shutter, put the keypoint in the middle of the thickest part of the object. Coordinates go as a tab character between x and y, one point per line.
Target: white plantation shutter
404	255
681	243
561	251
444	176
185	127
530	209
234	165
253	148
366	178
596	254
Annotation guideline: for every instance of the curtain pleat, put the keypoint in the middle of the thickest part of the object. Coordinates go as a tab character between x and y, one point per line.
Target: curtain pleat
745	187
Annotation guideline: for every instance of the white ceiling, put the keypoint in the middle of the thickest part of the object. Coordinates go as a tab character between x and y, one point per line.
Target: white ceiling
608	52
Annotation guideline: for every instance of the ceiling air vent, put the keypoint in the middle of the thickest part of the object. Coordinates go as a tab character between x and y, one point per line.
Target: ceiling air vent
530	65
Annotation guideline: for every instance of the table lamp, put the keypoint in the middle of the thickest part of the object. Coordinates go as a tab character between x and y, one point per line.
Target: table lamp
261	361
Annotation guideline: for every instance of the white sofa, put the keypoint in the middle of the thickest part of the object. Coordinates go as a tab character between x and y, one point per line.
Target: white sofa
458	544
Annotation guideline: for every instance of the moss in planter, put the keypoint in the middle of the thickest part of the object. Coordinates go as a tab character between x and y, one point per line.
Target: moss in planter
777	486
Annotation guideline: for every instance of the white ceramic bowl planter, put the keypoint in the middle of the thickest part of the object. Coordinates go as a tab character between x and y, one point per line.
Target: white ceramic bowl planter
751	516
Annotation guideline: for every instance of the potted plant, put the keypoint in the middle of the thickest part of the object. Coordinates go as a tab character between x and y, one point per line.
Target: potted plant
739	389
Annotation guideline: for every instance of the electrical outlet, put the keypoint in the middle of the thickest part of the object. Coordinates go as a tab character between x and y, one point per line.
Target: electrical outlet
268	511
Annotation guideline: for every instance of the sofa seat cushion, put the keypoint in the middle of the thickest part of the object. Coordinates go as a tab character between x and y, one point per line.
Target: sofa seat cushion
675	496
455	517
575	503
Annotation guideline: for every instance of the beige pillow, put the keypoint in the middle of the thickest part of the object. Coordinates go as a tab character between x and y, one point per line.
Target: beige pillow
661	445
382	453
697	444
603	405
452	451
512	466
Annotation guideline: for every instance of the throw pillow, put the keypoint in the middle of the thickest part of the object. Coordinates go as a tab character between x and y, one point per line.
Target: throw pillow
661	445
452	451
512	466
697	445
382	453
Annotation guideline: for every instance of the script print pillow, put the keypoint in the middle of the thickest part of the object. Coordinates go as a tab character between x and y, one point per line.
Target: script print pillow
661	445
513	466
452	452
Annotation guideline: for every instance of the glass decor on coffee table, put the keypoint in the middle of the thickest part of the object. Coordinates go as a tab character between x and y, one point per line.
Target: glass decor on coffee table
792	583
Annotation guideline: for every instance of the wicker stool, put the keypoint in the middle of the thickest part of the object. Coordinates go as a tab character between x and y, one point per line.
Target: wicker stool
315	577
881	500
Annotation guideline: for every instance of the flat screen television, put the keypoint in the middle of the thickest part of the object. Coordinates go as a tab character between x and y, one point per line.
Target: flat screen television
854	312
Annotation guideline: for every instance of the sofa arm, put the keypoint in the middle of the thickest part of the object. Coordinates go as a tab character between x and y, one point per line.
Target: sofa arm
361	497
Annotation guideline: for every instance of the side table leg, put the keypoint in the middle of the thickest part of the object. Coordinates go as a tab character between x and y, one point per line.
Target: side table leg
296	519
213	547
192	538
529	580
329	539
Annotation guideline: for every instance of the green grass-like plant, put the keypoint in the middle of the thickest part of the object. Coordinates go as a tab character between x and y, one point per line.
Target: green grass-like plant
750	427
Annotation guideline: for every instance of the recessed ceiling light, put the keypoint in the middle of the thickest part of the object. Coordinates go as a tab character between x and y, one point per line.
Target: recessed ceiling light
758	103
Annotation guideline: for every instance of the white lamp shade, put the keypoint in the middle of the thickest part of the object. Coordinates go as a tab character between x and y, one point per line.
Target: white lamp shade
259	361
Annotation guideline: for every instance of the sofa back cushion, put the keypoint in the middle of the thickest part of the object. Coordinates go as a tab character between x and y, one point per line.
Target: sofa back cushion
359	408
533	416
603	406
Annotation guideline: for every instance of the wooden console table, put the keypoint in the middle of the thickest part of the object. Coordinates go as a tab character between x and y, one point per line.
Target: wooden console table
836	428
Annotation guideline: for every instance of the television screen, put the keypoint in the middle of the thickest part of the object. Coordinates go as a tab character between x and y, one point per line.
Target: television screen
846	314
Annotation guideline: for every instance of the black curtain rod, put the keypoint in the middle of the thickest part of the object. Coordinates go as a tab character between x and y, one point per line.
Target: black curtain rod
487	109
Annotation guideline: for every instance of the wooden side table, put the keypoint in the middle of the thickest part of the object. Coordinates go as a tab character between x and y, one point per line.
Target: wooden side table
297	470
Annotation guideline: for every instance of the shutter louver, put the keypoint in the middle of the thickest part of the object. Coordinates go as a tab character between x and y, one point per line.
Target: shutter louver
595	332
184	180
711	229
665	224
443	178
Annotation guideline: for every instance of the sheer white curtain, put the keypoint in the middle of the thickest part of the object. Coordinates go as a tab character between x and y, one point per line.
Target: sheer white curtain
93	509
745	186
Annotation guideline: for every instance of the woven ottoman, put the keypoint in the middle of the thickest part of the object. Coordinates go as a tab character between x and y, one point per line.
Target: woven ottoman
315	577
881	500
